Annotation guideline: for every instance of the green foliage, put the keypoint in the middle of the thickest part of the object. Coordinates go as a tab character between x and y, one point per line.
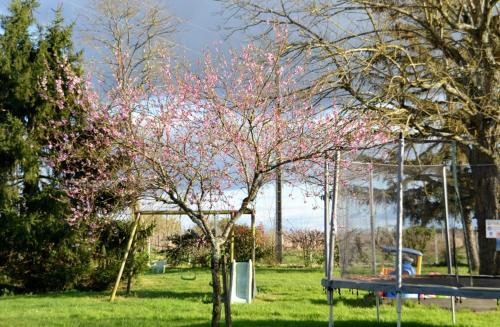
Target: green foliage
417	237
188	248
108	253
39	250
243	243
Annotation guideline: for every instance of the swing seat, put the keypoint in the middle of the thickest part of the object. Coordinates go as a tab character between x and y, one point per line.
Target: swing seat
188	276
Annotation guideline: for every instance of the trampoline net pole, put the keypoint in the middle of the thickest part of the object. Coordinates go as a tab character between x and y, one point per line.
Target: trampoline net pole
446	223
333	231
398	308
372	232
453	314
333	220
331	321
447	235
377	299
372	223
326	209
399	228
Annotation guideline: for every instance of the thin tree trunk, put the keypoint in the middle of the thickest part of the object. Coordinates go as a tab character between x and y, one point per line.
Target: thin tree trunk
485	179
473	250
132	261
216	285
227	295
279	217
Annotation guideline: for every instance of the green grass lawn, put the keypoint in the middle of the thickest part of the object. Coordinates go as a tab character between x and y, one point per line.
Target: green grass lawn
287	297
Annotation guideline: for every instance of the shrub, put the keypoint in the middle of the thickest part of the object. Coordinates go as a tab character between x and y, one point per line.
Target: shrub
108	254
417	237
43	253
190	247
243	243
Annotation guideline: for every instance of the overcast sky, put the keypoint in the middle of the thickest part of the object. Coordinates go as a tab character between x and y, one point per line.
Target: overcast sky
199	28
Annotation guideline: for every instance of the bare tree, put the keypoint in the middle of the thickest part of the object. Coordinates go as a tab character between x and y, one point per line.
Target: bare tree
429	66
131	38
309	241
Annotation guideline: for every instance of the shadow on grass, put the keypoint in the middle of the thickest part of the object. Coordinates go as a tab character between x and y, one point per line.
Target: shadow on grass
287	269
358	303
205	297
182	295
146	294
61	294
315	323
139	321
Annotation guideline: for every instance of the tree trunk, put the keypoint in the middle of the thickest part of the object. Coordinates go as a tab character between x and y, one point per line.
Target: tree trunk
473	250
227	295
485	182
131	268
470	234
216	285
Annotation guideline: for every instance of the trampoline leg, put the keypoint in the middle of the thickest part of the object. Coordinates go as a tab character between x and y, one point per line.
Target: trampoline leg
377	301
331	322
398	308
453	316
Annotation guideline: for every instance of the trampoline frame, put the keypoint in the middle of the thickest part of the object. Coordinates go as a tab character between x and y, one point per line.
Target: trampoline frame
434	289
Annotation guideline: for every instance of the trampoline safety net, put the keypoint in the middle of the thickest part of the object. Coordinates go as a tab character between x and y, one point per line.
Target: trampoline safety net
438	232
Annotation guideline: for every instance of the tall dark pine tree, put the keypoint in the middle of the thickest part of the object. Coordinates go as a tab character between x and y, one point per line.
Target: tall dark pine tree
38	250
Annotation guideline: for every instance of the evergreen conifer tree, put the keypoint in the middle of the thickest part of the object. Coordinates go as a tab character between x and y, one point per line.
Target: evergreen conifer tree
39	250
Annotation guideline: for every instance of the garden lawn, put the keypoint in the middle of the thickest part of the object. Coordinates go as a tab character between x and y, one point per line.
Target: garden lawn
287	297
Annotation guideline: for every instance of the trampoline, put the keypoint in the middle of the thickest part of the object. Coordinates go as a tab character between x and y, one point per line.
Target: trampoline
397	282
484	287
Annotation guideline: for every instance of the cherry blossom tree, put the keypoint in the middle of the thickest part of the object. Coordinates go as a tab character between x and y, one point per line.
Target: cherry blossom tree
201	135
100	177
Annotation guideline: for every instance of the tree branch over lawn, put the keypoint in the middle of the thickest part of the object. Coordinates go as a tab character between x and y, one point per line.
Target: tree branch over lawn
430	66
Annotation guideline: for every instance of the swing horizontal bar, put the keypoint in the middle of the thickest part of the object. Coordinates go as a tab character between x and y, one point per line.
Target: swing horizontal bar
203	212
